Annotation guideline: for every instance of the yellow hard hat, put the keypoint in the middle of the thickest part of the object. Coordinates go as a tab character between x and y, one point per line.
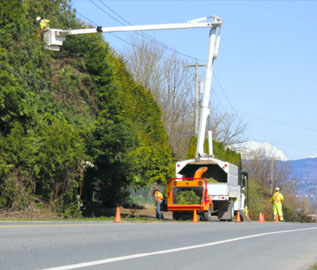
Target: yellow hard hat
38	18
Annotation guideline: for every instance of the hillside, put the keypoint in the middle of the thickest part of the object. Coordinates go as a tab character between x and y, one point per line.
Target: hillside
74	127
305	171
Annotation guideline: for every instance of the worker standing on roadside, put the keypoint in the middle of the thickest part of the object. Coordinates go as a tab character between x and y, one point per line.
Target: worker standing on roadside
158	200
277	200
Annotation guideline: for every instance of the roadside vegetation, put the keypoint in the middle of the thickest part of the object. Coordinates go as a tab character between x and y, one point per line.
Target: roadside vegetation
75	126
295	209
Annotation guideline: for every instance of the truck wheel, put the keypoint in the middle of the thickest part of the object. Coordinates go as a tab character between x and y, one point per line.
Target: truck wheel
231	211
176	216
207	214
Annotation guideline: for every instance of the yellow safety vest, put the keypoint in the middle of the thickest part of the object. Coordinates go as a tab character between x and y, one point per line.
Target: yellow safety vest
44	24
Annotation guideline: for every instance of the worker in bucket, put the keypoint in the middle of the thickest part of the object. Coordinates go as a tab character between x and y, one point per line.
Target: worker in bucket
44	23
158	201
277	200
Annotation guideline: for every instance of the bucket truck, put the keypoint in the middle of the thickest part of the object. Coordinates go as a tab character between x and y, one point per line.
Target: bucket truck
223	197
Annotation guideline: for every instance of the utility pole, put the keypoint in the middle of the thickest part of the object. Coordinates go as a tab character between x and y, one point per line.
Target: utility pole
272	179
197	100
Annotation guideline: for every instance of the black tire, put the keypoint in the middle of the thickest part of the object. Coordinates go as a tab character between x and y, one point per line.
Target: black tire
231	211
207	214
176	216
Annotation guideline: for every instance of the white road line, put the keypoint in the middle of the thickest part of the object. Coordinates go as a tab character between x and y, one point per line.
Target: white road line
140	255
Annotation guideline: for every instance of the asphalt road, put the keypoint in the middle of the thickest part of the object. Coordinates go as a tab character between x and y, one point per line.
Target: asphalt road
165	245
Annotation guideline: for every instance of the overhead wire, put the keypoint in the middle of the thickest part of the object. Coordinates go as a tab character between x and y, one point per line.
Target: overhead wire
258	116
224	92
26	78
165	46
144	35
279	122
147	36
113	34
36	84
216	78
185	133
294	146
95	24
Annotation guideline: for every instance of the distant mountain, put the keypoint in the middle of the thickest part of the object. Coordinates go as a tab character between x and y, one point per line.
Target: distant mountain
249	150
305	171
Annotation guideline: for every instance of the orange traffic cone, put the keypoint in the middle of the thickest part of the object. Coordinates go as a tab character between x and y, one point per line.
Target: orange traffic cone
195	218
238	218
276	219
261	219
118	216
248	215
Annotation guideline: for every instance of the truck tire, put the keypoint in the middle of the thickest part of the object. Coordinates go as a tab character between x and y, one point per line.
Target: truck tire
207	214
226	211
231	211
176	215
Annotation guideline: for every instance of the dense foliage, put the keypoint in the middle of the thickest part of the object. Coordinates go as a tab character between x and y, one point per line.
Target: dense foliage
74	126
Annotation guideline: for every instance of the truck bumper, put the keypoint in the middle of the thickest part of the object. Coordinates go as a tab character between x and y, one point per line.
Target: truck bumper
179	207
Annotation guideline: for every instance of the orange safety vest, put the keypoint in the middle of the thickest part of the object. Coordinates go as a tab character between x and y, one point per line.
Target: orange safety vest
158	196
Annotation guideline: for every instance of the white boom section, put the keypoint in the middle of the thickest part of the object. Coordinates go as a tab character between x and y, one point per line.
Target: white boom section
214	40
54	38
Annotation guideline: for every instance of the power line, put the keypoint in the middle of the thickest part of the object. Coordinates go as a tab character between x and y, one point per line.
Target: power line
220	102
279	122
116	36
26	78
165	46
216	78
35	83
230	104
105	11
95	24
144	35
224	92
294	146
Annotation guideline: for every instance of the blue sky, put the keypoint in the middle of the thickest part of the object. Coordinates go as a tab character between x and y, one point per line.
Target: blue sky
266	66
